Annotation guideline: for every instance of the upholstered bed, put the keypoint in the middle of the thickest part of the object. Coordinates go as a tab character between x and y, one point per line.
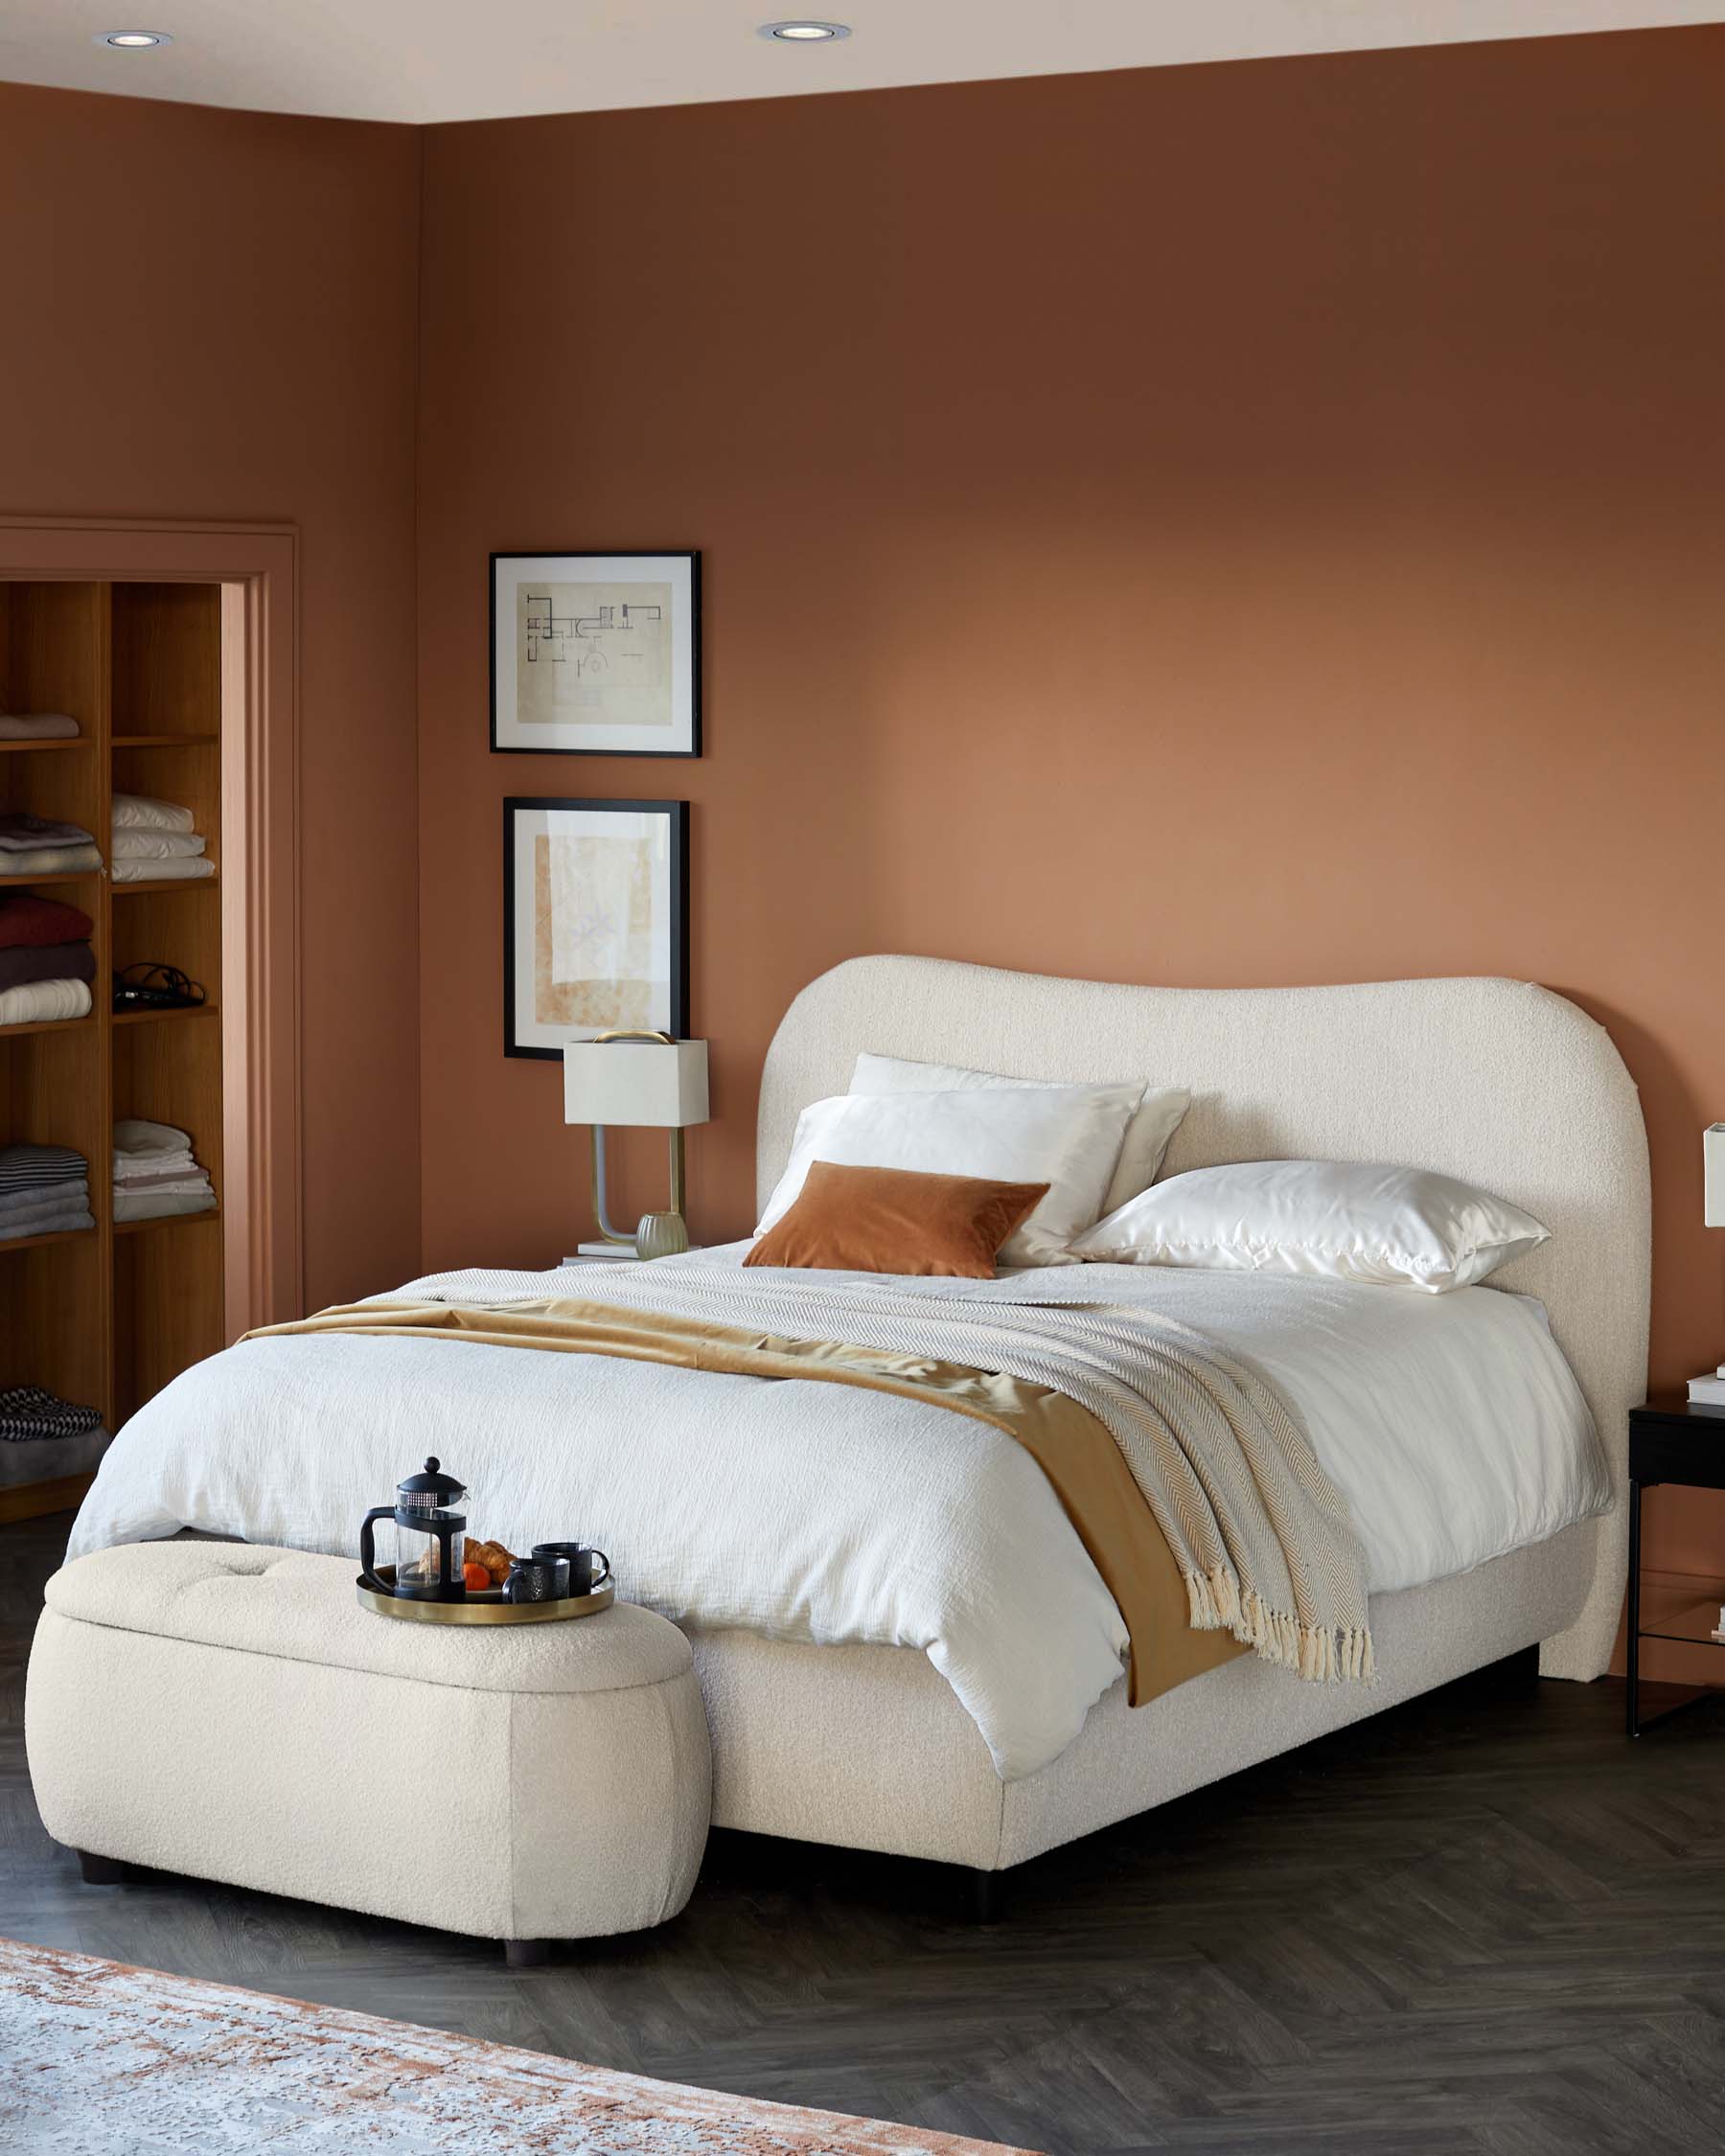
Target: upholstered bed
1499	1082
870	1744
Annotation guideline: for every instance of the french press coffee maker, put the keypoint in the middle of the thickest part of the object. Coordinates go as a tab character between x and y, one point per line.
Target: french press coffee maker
431	1538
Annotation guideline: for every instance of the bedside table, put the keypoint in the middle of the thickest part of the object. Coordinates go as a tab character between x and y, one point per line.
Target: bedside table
1670	1440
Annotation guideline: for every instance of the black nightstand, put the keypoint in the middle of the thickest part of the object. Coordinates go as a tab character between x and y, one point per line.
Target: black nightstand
1670	1440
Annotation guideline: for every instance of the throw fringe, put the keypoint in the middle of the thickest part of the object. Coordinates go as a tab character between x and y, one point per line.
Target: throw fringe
1321	1656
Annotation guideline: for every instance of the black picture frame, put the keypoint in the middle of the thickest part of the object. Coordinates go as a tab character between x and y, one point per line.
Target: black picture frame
676	816
689	555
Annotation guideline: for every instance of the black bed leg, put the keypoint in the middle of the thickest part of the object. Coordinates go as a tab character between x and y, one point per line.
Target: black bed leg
102	1870
527	1953
1518	1672
987	1896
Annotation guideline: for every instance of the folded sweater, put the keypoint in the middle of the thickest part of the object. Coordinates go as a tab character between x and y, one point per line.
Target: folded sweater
26	962
41	1000
51	861
29	1213
44	1002
28	920
53	1224
24	1167
22	834
37	726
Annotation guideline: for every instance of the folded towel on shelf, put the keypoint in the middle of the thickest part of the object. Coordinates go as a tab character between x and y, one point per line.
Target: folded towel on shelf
27	1412
27	922
51	861
37	726
22	834
194	1186
26	962
68	1217
175	1168
39	1001
136	1134
155	1174
46	1198
161	871
161	1204
26	1167
137	812
155	845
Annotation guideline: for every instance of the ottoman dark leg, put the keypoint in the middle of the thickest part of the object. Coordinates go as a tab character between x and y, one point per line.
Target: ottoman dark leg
102	1870
987	1896
527	1953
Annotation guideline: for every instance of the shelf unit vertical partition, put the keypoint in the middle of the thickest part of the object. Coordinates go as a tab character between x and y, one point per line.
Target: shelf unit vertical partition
107	1315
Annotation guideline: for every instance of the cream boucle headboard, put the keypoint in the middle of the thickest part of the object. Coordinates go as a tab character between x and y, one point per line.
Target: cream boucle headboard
1497	1081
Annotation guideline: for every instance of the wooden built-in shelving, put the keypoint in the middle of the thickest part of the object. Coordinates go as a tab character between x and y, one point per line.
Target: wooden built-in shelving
107	1315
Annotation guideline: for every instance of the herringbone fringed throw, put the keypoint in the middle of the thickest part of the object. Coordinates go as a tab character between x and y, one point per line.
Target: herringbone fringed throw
1260	1533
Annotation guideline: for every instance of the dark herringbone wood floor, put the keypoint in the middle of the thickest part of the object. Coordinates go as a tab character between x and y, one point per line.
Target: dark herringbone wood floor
1485	1922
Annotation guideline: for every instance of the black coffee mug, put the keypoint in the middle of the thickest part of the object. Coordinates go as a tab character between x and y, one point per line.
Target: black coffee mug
539	1579
589	1568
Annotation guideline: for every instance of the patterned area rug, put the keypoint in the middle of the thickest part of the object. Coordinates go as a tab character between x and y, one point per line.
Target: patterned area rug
104	2061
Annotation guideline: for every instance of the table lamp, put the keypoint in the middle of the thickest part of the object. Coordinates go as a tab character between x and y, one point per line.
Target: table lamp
642	1081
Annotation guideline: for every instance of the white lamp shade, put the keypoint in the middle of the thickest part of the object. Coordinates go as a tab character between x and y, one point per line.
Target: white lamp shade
649	1084
1712	1175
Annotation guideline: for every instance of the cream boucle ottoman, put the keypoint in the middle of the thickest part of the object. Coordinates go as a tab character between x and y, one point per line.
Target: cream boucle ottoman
232	1712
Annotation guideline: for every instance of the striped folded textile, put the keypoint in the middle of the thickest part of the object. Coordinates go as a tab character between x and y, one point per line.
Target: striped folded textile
27	1412
25	1167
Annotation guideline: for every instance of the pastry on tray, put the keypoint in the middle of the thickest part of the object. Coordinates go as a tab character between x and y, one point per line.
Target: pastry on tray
493	1555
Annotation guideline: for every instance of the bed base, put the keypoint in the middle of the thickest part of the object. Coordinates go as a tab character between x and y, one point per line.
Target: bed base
868	1747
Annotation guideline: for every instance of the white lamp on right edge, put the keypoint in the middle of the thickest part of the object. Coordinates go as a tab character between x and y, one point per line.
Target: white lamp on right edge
1710	1390
1712	1175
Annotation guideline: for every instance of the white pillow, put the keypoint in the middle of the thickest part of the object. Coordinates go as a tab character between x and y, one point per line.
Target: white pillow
1394	1226
1147	1134
1066	1136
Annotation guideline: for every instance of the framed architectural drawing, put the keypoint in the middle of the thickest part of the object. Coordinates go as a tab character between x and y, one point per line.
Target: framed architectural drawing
595	654
595	921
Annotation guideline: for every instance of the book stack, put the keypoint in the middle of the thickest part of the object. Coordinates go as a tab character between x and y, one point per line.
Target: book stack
1708	1392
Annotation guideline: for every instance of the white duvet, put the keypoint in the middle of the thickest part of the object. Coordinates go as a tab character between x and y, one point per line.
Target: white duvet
1452	1425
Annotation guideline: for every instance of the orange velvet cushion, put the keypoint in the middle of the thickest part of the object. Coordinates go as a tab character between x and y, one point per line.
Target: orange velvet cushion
897	1220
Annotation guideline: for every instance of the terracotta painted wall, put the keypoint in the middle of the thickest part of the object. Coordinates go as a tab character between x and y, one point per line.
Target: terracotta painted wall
213	314
1222	525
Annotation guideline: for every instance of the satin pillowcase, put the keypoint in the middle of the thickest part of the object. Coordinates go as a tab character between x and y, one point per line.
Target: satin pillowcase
1147	1134
1328	1220
1068	1136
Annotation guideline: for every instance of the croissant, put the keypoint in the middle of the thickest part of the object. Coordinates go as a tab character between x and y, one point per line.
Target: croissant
493	1555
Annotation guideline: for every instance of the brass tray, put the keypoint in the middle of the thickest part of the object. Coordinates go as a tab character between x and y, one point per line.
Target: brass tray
487	1606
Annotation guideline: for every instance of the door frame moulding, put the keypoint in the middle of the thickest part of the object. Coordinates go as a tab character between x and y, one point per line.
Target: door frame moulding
256	566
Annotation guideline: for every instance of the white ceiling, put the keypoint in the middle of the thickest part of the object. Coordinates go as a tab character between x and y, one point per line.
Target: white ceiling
432	59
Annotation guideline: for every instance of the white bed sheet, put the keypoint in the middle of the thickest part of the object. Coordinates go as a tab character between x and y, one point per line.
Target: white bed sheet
829	1513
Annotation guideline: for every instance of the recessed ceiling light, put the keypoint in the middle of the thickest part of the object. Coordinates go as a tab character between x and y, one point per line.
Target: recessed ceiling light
804	32
133	40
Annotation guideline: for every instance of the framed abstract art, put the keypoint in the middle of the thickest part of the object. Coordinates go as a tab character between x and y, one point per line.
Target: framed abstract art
595	654
595	921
